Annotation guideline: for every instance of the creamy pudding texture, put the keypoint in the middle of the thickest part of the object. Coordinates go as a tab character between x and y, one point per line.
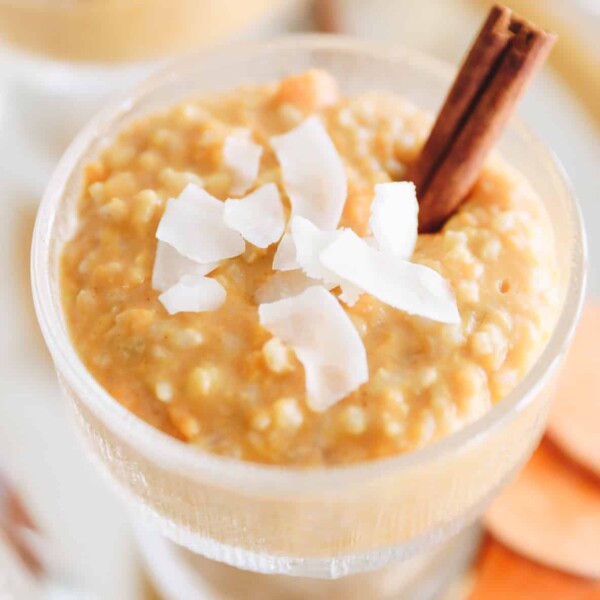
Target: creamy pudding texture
218	379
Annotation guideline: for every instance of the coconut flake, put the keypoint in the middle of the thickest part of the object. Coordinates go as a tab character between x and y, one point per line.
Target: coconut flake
242	156
313	173
325	341
193	294
413	288
193	225
170	267
309	242
395	218
284	284
285	255
259	217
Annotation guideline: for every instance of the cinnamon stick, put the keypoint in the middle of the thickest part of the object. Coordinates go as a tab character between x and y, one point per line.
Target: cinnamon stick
504	58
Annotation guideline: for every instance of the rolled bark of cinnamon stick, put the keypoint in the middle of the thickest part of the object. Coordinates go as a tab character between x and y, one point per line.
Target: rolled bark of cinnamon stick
479	63
504	58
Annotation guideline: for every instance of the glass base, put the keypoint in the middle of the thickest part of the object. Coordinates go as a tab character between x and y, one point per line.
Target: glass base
179	574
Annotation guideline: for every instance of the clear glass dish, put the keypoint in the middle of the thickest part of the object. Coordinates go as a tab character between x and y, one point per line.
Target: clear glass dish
316	523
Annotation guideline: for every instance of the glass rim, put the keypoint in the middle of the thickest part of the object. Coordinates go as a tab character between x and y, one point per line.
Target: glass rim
195	462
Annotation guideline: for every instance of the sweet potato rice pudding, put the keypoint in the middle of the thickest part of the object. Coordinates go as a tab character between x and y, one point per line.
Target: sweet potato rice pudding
241	279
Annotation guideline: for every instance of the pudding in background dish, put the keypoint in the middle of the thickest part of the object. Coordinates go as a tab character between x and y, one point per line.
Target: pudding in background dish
218	378
123	30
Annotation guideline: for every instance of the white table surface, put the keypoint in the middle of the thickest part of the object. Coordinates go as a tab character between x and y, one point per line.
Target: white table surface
88	526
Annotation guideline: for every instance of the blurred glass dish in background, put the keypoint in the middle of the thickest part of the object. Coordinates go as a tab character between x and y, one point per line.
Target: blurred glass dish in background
123	30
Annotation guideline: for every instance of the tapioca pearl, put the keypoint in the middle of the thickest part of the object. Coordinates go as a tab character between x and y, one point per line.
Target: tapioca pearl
116	297
472	407
464	218
287	414
102	360
519	242
458	255
444	410
160	353
219	183
363	151
290	114
391	426
473	270
96	191
527	336
424	428
452	336
203	381
191	114
188	338
95	171
121	185
469	385
136	319
396	398
353	420
504	381
121	155
468	291
396	169
425	377
184	422
114	210
490	250
168	141
144	207
163	390
362	136
176	181
107	274
210	137
260	420
151	161
86	300
366	110
346	119
455	239
278	357
490	345
136	275
501	318
162	329
481	344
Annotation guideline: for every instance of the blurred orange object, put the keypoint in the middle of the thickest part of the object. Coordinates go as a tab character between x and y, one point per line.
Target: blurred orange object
551	513
503	575
574	422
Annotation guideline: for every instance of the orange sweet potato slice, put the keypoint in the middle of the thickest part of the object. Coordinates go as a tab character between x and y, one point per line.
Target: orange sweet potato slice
574	422
504	575
551	514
